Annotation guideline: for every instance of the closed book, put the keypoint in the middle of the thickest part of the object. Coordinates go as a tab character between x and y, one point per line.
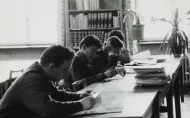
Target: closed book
92	21
89	20
74	39
71	43
95	20
110	22
98	20
105	20
102	20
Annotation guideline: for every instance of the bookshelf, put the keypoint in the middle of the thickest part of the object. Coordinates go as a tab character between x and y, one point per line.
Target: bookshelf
85	17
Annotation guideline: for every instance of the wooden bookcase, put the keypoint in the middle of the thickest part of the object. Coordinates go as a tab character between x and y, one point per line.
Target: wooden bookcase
85	17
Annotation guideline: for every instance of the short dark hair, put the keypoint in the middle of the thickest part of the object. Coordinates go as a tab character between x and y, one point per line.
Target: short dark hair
56	54
90	40
117	33
114	41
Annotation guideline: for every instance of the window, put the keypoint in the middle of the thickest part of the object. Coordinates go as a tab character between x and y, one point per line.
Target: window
28	22
159	9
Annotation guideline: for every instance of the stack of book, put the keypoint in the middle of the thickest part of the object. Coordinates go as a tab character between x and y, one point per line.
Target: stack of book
151	75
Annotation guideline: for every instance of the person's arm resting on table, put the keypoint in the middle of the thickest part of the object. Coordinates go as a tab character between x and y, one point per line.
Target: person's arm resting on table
36	97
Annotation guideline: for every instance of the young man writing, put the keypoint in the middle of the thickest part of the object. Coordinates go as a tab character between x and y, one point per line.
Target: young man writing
33	94
81	67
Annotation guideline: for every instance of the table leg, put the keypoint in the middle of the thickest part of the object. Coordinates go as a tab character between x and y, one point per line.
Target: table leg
182	77
169	100
181	85
177	99
156	107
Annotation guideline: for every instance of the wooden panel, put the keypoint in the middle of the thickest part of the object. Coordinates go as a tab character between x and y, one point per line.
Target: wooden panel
109	4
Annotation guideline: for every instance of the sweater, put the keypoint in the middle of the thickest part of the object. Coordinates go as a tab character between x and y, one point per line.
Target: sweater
33	95
81	68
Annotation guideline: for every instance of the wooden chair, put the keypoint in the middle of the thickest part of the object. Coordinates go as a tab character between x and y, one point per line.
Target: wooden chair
77	85
15	73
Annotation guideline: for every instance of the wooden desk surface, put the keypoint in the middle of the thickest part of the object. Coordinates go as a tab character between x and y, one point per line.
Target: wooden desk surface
123	91
137	101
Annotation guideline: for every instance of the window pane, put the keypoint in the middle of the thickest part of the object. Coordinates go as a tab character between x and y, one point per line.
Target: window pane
183	6
12	22
42	17
28	22
157	9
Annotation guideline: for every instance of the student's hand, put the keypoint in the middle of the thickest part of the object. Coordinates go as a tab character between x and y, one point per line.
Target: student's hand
85	94
87	102
119	64
110	73
125	54
120	70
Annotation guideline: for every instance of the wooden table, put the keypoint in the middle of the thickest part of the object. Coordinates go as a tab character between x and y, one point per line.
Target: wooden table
139	102
175	67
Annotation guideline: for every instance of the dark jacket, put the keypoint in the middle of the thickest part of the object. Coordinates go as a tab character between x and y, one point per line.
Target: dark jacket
104	61
33	95
81	68
124	56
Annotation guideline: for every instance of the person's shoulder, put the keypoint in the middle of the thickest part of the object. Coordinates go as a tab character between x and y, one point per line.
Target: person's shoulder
79	57
32	78
100	53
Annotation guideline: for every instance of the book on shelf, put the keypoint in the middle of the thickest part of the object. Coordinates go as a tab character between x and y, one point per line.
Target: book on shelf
84	4
89	20
91	17
110	20
116	21
99	20
93	20
77	35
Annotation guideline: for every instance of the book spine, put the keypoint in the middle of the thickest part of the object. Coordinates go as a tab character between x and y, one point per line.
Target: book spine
105	20
110	22
102	20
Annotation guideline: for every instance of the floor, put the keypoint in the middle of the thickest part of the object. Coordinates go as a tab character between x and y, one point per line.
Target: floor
185	108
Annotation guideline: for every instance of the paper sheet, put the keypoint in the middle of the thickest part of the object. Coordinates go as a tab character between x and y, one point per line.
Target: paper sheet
142	55
97	91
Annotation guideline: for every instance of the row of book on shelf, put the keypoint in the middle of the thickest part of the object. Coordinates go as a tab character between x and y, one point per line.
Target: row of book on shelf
93	20
84	4
77	35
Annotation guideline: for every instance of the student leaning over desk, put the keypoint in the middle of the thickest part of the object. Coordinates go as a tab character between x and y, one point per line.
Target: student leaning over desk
109	55
124	56
81	67
33	94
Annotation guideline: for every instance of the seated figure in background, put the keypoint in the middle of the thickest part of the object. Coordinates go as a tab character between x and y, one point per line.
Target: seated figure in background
33	95
124	56
81	67
109	55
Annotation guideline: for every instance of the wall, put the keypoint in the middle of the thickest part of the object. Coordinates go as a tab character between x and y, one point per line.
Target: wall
154	48
20	53
34	53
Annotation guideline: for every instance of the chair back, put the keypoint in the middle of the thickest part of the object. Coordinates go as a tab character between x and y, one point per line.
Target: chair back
15	73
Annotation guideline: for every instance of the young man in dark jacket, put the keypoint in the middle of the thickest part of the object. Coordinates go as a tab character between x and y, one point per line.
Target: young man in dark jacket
81	67
124	56
108	57
33	95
